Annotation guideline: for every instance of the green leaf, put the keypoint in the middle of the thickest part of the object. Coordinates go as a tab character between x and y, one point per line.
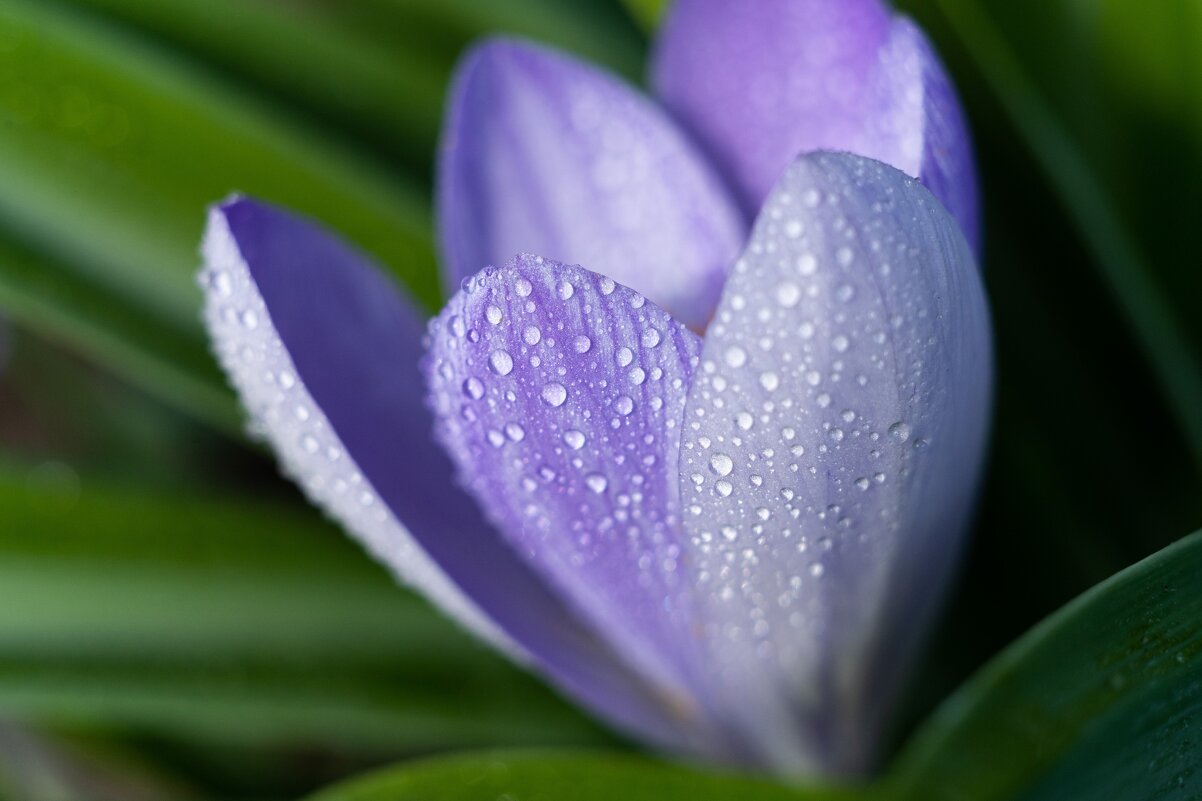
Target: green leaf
376	69
235	622
1101	700
112	150
648	13
564	776
1130	187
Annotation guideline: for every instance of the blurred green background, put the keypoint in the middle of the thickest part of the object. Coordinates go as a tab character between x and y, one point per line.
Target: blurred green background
175	621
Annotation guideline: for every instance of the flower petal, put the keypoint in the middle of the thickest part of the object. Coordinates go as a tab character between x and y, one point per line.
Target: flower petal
325	355
759	83
542	153
831	448
559	395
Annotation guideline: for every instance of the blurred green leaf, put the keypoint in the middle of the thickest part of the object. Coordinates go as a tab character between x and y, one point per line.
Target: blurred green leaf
1051	80
376	69
561	776
237	622
649	13
1102	700
111	152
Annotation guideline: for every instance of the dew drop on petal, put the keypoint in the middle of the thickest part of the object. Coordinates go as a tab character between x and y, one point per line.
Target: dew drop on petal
473	388
721	464
554	394
501	362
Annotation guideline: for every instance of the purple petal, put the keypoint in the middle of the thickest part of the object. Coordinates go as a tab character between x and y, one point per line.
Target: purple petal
832	445
758	83
542	153
559	395
325	355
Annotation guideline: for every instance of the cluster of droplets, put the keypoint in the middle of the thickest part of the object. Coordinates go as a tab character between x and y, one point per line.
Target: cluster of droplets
802	430
281	410
558	395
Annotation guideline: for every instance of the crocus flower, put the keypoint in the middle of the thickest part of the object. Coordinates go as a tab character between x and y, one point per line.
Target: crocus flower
726	545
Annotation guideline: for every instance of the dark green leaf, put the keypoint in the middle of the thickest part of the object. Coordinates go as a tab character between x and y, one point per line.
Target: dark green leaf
237	622
112	150
1102	700
564	777
376	69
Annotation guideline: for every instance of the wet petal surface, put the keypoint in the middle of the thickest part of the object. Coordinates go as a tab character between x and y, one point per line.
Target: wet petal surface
830	453
559	395
542	153
325	355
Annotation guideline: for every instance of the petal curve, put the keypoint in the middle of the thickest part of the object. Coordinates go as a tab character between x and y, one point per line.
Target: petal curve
832	444
544	154
559	395
759	83
325	355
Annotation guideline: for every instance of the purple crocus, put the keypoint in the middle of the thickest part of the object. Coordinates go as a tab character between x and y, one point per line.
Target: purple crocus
726	546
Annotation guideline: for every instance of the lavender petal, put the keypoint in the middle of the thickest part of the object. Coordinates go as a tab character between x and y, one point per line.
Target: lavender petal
831	449
759	83
559	395
542	153
325	355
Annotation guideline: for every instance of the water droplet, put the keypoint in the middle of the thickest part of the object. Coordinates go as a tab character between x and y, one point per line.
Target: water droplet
788	295
501	362
523	287
607	286
862	483
566	290
650	338
250	320
624	404
899	431
848	416
455	326
816	570
844	255
637	376
532	335
495	438
845	292
493	315
840	343
721	464
624	356
554	394
807	264
730	533
744	421
515	432
723	488
574	439
583	344
473	388
596	482
735	356
769	380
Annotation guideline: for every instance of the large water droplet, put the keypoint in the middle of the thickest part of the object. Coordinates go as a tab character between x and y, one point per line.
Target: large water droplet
473	388
583	344
596	482
574	439
493	315
501	362
721	464
554	394
899	431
